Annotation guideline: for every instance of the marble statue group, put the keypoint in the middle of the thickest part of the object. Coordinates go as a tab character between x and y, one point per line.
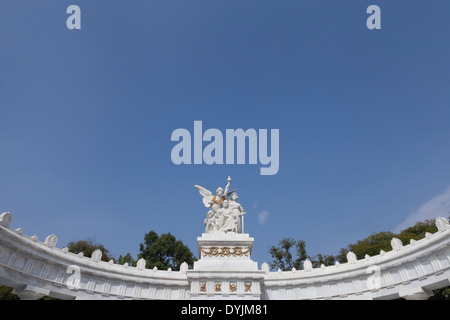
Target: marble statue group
225	269
225	213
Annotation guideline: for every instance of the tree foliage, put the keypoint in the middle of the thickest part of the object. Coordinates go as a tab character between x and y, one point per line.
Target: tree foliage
373	244
290	253
6	293
88	246
127	259
164	251
417	231
322	259
284	258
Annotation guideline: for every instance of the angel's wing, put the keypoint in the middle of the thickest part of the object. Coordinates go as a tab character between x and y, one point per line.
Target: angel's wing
230	192
206	194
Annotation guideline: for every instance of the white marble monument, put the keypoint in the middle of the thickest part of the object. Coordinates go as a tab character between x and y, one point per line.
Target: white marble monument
225	213
224	270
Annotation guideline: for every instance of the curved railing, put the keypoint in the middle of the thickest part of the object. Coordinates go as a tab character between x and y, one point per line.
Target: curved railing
408	271
37	269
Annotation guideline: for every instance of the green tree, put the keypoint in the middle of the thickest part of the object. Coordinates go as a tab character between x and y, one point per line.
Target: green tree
127	259
417	231
284	258
372	245
322	259
88	246
441	294
164	251
6	293
291	254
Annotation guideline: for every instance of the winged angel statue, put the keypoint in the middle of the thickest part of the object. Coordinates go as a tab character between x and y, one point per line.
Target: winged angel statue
225	213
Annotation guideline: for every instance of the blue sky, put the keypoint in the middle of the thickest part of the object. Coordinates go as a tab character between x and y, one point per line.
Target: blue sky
87	116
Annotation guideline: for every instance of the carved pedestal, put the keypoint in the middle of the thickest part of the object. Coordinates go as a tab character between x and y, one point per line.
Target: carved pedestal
225	269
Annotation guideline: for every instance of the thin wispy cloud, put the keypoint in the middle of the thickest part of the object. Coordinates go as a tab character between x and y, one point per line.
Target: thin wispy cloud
439	206
262	217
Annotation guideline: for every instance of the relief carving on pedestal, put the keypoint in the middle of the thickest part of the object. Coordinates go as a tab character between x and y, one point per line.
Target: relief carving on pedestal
225	251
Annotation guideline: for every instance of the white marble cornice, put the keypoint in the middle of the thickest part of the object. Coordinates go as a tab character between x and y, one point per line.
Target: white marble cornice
35	268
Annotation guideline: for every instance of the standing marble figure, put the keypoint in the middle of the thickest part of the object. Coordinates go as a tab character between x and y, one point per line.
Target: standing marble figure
225	213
